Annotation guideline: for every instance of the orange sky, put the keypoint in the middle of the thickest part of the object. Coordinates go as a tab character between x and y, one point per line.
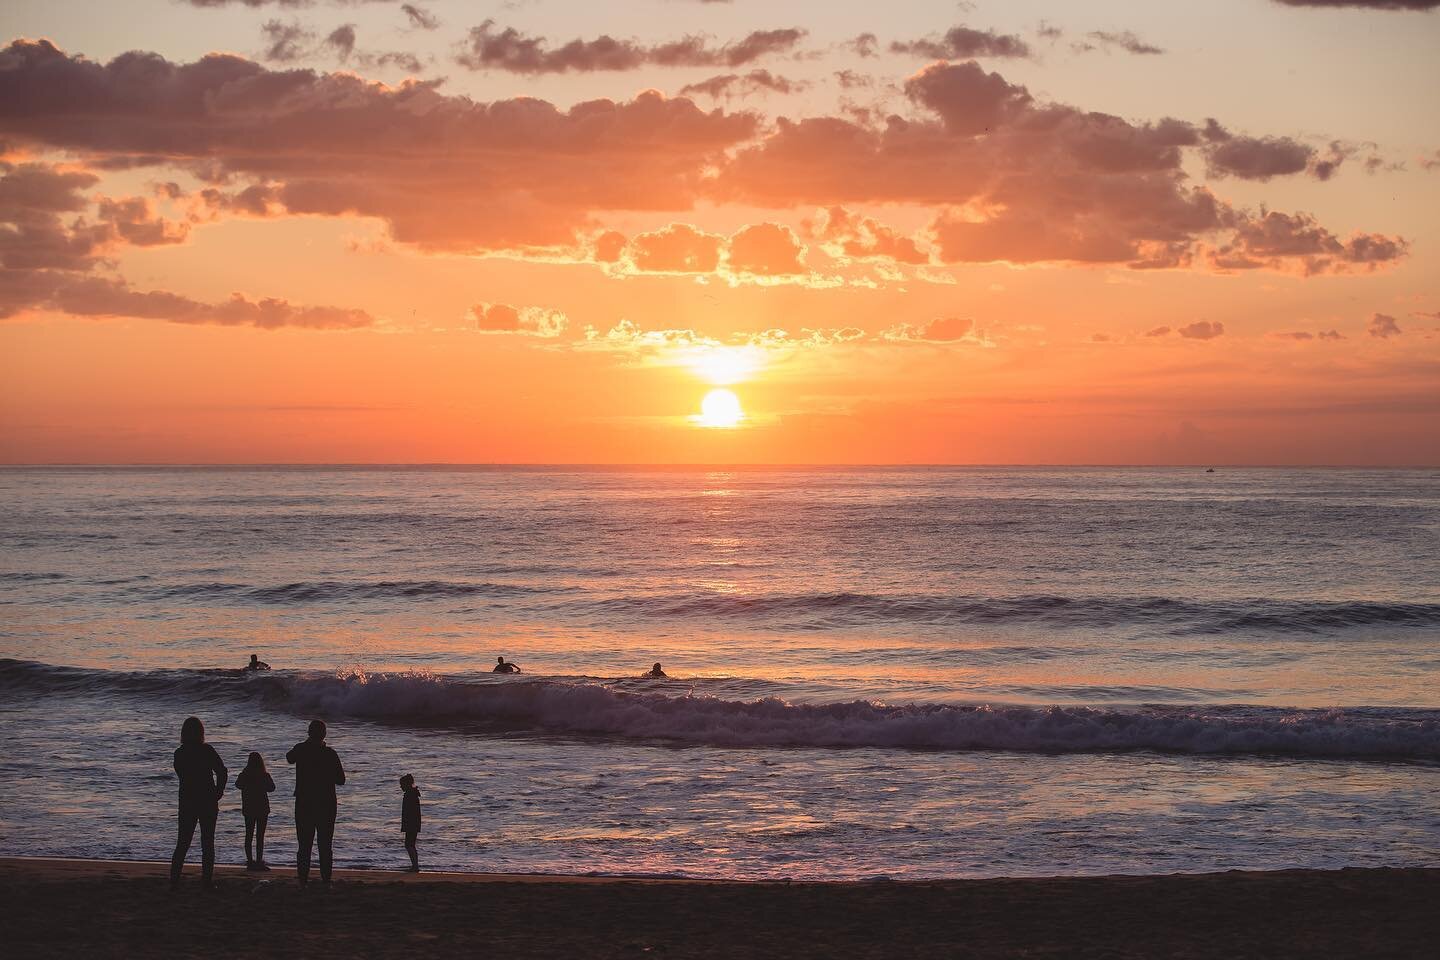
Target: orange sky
1018	233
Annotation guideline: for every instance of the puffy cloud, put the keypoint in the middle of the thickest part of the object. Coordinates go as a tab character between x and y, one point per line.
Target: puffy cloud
503	318
765	250
491	48
678	248
730	84
444	172
960	43
1383	326
47	263
1275	239
968	99
852	236
1108	39
1257	158
939	330
1202	330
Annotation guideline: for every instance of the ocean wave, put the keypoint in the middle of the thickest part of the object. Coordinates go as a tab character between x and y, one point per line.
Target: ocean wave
1181	616
588	708
336	591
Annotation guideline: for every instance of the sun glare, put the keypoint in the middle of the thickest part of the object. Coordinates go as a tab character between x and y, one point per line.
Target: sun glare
720	408
725	365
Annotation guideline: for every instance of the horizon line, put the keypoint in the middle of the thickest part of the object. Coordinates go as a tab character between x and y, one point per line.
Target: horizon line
699	465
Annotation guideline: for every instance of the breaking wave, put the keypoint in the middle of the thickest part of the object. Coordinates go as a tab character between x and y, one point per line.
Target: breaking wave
674	712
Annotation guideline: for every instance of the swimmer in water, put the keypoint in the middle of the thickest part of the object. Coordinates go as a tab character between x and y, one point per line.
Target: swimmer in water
655	674
502	667
257	664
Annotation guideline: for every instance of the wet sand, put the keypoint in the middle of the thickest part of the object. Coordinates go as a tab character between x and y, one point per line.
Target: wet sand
103	908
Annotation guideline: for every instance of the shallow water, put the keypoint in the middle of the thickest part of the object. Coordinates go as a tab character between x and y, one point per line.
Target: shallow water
876	672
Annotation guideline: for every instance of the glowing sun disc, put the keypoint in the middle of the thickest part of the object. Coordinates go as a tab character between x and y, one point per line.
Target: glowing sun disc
720	408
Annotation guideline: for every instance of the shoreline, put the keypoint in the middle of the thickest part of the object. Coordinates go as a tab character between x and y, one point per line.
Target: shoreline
56	907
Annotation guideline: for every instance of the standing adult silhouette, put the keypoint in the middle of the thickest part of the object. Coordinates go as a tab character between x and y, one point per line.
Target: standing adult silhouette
202	782
317	774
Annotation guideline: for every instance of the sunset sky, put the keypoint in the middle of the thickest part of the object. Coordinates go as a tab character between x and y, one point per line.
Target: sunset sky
1120	231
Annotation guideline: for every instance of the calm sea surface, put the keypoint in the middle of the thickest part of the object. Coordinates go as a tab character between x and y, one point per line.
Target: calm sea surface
874	672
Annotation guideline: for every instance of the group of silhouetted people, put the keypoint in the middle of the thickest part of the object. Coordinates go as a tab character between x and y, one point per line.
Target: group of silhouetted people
318	772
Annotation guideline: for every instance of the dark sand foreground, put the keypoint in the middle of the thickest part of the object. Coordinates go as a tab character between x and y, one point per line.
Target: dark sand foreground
90	908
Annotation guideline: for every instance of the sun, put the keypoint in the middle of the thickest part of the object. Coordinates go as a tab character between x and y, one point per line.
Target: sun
720	408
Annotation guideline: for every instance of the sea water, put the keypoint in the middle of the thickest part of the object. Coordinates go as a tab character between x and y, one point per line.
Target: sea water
872	672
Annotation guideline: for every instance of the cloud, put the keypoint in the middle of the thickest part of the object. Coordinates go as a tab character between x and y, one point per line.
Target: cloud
1307	335
1431	162
1157	332
443	172
1275	240
532	321
960	43
285	42
731	84
1383	326
1202	330
765	250
419	17
939	330
291	42
47	263
491	48
851	236
678	248
1256	158
1124	39
1366	4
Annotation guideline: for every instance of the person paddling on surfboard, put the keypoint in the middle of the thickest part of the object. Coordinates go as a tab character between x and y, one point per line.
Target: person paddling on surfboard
502	667
655	673
257	664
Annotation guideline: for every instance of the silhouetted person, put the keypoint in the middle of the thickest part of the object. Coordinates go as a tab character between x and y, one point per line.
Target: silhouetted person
202	781
257	664
502	667
410	820
655	673
317	774
255	785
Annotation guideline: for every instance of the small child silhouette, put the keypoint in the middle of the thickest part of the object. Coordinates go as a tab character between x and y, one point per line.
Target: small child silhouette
410	820
255	785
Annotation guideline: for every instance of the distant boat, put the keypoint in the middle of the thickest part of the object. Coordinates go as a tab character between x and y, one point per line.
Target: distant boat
1209	469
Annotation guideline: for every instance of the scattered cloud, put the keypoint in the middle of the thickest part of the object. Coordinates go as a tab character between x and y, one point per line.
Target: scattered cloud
419	17
852	236
962	43
488	47
1109	39
531	321
1202	330
1366	4
1276	240
939	330
1383	326
733	84
1307	335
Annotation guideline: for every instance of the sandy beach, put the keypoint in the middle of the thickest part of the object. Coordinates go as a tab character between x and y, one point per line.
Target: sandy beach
106	908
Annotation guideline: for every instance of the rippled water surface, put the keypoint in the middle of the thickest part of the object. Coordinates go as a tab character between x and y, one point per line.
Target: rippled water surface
874	672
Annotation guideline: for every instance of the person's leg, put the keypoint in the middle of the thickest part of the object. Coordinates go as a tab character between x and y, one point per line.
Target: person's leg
260	824
188	818
305	833
207	842
250	838
325	834
412	849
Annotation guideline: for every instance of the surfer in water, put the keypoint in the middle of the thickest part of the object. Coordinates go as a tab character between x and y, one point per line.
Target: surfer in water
655	673
256	664
502	667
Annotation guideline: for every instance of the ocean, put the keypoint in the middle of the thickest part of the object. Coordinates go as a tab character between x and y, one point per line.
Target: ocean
873	672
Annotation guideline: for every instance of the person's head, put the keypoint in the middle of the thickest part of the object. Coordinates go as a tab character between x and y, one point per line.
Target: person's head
656	668
254	658
256	762
499	659
406	782
317	729
192	731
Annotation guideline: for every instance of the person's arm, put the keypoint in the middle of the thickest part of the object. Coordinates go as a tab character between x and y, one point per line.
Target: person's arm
269	783
339	770
290	754
221	774
176	763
